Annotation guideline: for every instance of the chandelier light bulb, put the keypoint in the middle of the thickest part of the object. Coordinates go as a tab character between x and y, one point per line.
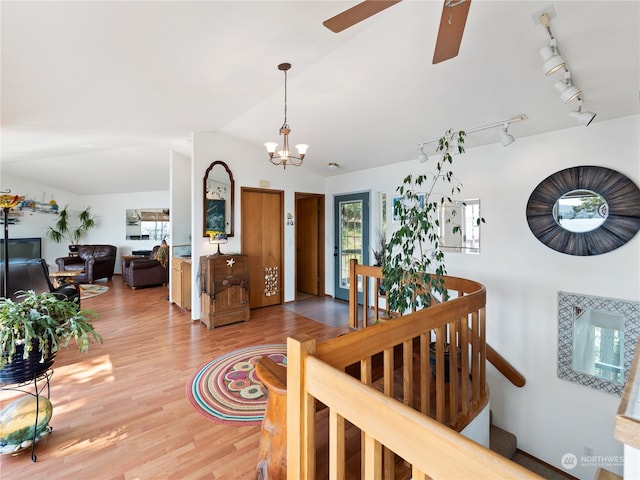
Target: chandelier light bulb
302	149
271	147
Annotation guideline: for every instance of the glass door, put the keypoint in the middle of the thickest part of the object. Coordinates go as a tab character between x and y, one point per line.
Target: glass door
351	213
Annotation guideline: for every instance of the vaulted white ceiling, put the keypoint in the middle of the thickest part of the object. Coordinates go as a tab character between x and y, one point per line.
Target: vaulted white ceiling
112	86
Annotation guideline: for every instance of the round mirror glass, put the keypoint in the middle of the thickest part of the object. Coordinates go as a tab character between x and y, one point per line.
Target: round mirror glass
580	211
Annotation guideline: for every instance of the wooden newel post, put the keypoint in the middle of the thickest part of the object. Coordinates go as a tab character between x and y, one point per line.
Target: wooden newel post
301	461
272	455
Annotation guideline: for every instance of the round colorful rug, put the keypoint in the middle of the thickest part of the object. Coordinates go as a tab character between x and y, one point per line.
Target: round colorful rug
227	389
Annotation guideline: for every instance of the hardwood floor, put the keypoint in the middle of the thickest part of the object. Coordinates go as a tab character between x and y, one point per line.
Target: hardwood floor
120	411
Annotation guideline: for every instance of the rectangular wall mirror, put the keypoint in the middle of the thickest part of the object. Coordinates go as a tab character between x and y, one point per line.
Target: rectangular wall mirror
147	224
464	214
597	338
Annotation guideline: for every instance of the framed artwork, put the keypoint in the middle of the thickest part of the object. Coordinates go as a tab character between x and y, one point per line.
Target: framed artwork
214	215
397	202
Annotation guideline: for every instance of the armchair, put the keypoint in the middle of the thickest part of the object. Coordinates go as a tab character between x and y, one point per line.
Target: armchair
145	272
97	261
33	274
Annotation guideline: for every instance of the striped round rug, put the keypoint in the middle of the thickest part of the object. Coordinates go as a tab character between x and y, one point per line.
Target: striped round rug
227	389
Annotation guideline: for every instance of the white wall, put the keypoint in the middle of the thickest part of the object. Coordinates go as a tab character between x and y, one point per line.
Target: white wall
550	416
209	147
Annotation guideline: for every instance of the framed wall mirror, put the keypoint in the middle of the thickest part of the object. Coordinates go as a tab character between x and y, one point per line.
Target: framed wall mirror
218	201
147	223
597	338
465	215
584	210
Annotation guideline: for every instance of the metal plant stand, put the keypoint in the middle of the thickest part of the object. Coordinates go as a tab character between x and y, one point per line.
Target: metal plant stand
35	388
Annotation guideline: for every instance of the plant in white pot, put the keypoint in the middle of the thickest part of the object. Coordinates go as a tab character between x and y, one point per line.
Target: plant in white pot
34	328
71	226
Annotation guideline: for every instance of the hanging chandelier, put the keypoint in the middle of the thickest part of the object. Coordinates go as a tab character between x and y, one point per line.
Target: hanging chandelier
284	156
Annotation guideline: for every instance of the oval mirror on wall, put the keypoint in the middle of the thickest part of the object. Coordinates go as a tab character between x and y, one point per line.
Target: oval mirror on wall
218	204
584	210
580	211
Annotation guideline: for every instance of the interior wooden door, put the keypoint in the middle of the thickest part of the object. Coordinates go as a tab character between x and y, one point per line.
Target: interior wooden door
262	219
309	246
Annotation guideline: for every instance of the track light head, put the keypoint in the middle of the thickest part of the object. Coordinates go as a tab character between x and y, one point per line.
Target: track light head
505	138
422	156
583	118
553	62
568	91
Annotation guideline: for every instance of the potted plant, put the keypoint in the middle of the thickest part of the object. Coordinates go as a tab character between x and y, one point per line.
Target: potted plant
414	264
34	328
71	230
414	261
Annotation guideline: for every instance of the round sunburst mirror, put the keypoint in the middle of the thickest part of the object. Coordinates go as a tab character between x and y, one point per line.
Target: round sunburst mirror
584	210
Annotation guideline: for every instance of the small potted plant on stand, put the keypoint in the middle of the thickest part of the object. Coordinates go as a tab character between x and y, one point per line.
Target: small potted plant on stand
72	231
32	330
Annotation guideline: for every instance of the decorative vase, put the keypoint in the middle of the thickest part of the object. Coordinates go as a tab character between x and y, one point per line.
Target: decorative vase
18	426
73	248
23	370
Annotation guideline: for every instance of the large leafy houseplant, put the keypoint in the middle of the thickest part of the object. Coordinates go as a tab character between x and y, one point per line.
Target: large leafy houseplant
42	322
69	228
414	260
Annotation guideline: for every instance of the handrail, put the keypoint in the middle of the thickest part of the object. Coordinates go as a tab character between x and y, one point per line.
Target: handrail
387	426
372	280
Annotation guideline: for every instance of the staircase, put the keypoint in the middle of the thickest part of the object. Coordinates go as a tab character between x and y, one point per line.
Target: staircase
506	444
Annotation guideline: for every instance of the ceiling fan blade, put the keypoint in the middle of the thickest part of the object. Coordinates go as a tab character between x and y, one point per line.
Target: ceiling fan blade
356	14
452	22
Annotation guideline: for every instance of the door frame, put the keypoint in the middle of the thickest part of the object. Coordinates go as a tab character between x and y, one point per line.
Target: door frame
321	241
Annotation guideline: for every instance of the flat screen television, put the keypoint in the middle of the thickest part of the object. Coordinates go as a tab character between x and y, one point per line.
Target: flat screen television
22	248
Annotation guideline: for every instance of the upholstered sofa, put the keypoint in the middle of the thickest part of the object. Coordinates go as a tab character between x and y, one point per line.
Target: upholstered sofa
33	274
95	261
145	272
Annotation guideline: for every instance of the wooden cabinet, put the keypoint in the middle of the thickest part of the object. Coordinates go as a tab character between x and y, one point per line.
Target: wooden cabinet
224	290
181	282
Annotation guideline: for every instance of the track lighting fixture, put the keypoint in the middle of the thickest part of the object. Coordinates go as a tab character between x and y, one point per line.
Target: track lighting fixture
505	138
567	89
554	62
583	118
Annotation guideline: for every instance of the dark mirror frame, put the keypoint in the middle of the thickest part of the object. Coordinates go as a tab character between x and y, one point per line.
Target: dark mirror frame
620	193
231	198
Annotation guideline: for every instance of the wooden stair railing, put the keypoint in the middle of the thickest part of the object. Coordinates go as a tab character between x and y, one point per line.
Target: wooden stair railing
421	427
370	313
388	427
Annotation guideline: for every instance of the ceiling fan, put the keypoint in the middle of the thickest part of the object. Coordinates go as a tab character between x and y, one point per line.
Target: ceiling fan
452	21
